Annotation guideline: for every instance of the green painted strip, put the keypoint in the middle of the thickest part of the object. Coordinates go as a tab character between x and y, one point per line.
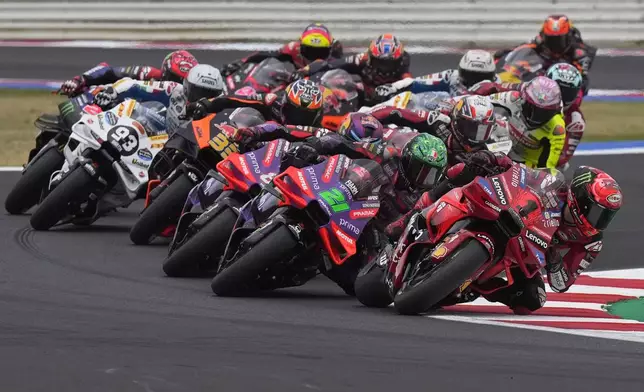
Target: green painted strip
632	309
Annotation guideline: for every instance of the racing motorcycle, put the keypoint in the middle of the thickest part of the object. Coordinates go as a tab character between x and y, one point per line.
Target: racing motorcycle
184	161
107	158
268	76
520	65
341	96
465	238
217	206
327	206
47	156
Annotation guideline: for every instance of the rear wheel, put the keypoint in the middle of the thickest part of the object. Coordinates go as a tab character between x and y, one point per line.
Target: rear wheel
75	187
201	252
164	211
26	192
277	246
423	290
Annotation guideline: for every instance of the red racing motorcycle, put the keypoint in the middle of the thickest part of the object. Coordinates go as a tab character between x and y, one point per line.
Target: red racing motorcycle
468	236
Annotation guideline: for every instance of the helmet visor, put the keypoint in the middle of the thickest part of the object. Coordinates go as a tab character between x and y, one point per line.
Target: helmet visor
472	131
470	78
295	115
422	175
557	43
312	53
195	93
536	116
568	94
596	215
386	65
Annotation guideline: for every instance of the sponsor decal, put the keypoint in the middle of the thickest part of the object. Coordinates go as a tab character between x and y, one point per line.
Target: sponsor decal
492	206
558	280
140	163
522	178
352	187
270	151
515	176
305	186
551	223
330	166
125	137
267	177
342	235
110	118
441	206
193	176
243	165
465	284
521	244
439	252
540	257
615	198
486	186
253	162
488	242
313	177
499	191
371	205
364	213
595	246
144	154
583	264
350	226
532	236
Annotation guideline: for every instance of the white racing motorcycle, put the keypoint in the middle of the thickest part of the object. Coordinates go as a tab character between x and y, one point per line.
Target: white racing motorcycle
499	141
106	164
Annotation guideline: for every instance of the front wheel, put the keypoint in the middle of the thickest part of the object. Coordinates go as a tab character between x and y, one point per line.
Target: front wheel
75	187
278	245
371	289
26	192
201	252
420	293
164	211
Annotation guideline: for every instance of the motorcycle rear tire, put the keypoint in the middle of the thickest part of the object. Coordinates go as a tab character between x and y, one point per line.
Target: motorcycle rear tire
189	260
26	192
76	186
164	211
278	245
370	287
444	279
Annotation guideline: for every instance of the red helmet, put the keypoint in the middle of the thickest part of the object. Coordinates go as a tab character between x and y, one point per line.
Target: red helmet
386	54
556	33
594	198
176	65
303	103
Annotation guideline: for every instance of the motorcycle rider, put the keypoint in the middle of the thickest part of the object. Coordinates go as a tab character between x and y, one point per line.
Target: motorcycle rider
559	41
300	103
175	67
202	81
569	80
385	61
315	43
475	66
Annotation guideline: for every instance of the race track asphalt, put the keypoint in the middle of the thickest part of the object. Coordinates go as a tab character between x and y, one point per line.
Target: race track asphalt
81	309
63	63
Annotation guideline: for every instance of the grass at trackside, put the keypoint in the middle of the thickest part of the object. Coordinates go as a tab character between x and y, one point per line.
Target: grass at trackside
19	109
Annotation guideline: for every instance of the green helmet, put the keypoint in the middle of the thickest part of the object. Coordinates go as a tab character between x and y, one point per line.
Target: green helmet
423	160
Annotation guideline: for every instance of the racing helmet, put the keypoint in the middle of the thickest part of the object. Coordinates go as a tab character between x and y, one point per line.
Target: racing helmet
472	120
423	160
203	81
315	42
569	80
476	66
361	127
556	33
594	198
176	65
303	103
386	54
541	98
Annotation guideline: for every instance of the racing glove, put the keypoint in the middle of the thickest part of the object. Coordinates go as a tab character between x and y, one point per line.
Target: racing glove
557	276
198	110
244	135
72	86
386	90
106	98
231	68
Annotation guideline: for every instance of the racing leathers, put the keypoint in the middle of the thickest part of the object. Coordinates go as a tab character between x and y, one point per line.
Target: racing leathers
103	73
290	52
170	94
447	81
539	147
573	117
358	64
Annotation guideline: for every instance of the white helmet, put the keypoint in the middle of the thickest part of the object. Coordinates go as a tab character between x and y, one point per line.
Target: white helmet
476	66
203	81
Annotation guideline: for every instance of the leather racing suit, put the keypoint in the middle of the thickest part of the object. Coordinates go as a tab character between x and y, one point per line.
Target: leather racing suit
103	73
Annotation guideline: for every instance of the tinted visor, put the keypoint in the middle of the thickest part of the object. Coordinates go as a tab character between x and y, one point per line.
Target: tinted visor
386	65
294	115
312	53
422	175
598	216
171	76
472	131
536	116
470	78
557	43
195	93
568	94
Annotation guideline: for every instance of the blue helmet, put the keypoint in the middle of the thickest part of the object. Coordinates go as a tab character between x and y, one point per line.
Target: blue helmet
569	80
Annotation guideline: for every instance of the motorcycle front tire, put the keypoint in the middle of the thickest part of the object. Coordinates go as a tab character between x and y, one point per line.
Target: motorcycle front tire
278	245
200	252
162	212
444	279
76	186
26	192
370	287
